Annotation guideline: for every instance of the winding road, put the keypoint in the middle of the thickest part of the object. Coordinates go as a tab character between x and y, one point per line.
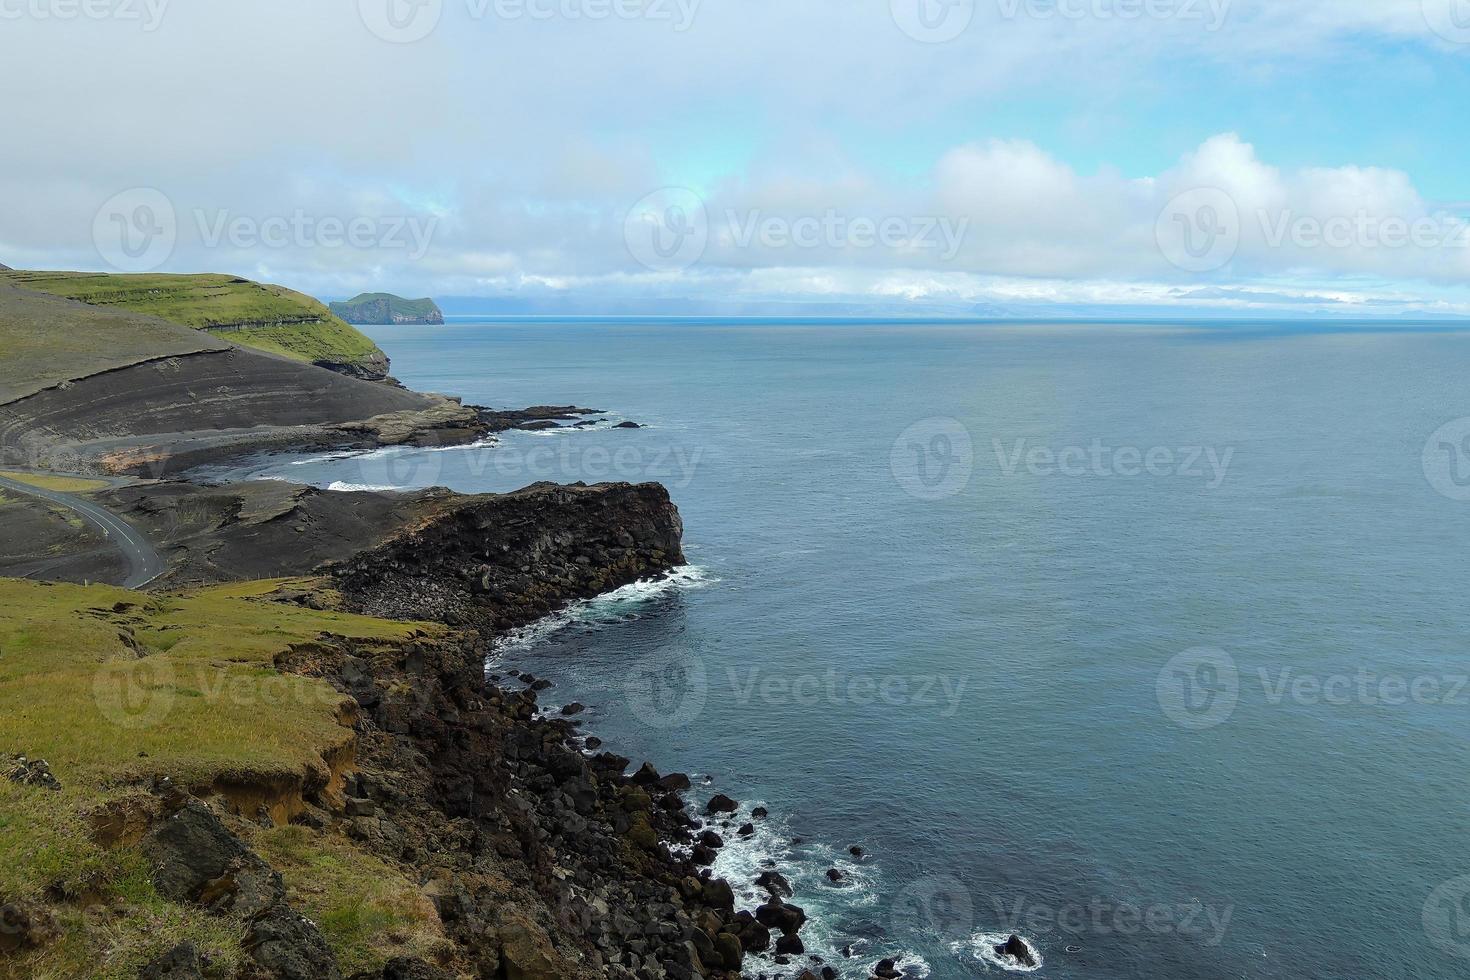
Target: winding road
145	564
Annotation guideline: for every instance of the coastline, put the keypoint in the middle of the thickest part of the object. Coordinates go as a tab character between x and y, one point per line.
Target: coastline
597	873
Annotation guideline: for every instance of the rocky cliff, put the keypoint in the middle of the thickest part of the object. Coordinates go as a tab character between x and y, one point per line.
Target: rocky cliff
385	308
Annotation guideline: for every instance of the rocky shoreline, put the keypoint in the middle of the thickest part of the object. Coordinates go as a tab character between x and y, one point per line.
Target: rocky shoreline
544	859
542	856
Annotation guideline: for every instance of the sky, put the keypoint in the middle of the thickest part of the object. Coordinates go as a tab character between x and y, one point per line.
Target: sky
890	157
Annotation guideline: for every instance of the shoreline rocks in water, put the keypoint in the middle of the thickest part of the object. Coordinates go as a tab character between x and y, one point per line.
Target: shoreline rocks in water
1015	949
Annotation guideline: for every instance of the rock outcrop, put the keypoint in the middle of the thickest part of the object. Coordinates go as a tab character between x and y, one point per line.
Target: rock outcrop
503	561
385	309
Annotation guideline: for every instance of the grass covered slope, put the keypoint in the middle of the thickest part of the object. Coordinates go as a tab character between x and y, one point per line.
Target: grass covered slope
114	690
385	308
45	340
252	314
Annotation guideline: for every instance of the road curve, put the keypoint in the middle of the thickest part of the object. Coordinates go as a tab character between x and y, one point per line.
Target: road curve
145	564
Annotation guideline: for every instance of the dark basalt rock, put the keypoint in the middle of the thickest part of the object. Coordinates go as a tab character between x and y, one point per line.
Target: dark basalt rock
196	859
180	963
1015	948
776	914
790	945
887	970
774	883
289	947
834	876
720	803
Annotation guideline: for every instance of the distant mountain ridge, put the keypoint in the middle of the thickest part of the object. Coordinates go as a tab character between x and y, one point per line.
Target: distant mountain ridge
385	308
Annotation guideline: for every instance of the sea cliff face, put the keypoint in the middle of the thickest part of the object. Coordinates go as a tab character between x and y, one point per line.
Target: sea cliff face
513	558
385	309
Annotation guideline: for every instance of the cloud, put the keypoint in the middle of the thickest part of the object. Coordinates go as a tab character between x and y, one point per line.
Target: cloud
519	142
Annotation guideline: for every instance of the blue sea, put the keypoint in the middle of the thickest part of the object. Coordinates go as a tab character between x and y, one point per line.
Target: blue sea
1147	642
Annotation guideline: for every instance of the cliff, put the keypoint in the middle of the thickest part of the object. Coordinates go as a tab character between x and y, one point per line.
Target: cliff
385	308
251	781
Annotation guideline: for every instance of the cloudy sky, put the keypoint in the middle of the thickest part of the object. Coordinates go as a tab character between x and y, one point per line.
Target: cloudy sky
1234	157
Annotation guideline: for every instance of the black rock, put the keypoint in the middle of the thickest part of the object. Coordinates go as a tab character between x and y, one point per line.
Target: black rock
834	876
855	851
195	858
720	803
746	829
776	914
1015	948
888	970
790	945
627	425
289	947
180	963
759	813
575	708
774	883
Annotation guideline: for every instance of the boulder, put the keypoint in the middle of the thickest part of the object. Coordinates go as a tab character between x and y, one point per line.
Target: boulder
720	803
288	947
775	884
1015	948
180	963
776	914
196	859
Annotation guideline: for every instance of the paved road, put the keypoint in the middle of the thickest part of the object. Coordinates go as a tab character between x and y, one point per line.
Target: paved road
144	563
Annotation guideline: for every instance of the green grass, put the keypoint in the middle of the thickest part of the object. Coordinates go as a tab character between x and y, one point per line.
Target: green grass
368	910
61	484
252	314
116	688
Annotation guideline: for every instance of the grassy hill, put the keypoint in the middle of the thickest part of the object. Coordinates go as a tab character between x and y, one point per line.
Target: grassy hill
115	689
45	340
385	308
252	314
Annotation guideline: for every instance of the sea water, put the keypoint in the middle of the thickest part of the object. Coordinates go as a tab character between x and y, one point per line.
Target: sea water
1147	642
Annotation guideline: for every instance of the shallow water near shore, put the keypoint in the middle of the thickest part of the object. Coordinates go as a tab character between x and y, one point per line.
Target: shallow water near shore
1147	642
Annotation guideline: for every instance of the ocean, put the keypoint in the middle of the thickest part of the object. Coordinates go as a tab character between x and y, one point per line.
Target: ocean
1144	641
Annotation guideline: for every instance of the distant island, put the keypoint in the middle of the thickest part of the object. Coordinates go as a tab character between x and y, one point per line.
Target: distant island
385	308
